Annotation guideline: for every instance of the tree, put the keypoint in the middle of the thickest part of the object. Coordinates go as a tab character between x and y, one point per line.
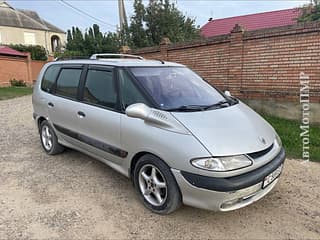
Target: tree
160	19
90	42
138	33
310	12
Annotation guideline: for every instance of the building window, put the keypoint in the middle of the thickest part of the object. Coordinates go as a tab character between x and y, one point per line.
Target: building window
55	43
29	38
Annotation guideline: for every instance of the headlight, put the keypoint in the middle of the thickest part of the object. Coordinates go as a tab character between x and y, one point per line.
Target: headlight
222	164
278	139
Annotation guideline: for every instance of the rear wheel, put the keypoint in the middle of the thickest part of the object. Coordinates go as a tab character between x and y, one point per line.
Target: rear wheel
156	185
49	139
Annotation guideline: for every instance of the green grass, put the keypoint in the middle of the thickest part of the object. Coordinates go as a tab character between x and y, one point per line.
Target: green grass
12	92
289	131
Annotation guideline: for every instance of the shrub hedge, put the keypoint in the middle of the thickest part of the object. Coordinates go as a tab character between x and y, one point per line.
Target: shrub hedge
37	52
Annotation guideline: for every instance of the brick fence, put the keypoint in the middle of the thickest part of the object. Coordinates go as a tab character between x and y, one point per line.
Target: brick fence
19	68
261	64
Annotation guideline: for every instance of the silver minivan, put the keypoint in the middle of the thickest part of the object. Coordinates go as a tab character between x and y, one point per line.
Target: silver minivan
177	137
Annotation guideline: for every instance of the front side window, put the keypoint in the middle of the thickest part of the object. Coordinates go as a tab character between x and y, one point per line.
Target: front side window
177	87
68	82
50	77
129	92
100	88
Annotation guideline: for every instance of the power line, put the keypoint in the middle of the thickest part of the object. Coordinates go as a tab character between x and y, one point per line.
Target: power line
65	3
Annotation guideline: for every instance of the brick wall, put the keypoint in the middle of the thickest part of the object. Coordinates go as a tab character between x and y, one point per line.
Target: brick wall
261	64
19	68
12	68
36	67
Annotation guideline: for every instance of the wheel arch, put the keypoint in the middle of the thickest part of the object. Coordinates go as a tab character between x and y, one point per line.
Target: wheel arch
136	158
39	121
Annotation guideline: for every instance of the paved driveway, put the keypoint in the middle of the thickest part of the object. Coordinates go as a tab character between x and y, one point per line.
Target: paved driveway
72	196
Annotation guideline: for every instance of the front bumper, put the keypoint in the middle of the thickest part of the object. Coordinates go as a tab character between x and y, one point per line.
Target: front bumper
226	194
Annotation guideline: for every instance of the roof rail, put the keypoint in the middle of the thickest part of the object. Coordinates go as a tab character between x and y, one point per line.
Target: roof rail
113	55
70	58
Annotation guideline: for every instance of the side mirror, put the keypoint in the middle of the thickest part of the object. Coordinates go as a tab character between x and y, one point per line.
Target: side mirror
227	93
138	110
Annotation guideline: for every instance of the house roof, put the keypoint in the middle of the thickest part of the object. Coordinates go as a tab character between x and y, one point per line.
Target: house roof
4	50
24	19
251	22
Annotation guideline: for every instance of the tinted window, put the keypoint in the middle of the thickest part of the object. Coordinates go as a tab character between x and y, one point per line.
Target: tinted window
99	88
174	87
67	83
129	92
50	77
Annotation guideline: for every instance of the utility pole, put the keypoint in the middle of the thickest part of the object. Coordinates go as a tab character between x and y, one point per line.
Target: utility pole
122	15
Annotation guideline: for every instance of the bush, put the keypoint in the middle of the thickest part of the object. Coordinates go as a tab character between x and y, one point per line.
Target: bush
70	54
18	83
37	52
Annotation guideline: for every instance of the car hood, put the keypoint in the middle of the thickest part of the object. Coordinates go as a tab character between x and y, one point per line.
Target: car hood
229	131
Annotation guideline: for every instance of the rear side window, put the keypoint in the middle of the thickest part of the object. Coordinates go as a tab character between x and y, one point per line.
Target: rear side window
100	88
68	82
49	78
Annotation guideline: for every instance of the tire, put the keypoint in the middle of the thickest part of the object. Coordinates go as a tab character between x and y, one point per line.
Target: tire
153	177
49	140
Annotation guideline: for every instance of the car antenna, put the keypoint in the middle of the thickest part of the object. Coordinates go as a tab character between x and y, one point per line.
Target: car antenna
163	62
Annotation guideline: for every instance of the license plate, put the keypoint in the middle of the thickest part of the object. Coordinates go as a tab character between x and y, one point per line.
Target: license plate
272	176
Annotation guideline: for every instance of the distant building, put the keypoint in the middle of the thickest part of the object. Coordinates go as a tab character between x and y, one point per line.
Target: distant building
26	27
215	27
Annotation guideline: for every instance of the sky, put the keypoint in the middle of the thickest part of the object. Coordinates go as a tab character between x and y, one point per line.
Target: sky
105	12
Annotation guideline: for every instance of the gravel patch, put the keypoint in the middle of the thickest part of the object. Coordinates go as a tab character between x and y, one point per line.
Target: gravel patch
72	196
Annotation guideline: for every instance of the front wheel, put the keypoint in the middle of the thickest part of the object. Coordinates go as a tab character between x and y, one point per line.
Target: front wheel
156	185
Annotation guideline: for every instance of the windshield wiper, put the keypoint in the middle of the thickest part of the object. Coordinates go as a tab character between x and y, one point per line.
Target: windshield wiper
187	108
220	104
193	108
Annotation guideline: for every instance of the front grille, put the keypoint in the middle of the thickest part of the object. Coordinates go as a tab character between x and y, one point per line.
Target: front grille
260	153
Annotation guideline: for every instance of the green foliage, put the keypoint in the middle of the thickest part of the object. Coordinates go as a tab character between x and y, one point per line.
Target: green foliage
289	131
17	83
148	26
12	92
90	42
138	33
310	12
37	52
69	54
158	20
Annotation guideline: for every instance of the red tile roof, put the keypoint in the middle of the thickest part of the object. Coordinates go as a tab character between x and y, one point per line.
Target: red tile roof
251	22
4	50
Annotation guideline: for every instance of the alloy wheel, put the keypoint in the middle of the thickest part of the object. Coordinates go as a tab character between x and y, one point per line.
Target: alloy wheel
153	185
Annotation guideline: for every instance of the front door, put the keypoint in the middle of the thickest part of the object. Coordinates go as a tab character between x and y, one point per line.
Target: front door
99	125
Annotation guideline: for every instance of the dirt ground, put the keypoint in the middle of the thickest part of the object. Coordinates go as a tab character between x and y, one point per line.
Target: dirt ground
72	196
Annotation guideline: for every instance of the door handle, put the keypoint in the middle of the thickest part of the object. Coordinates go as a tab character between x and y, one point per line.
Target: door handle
81	114
50	104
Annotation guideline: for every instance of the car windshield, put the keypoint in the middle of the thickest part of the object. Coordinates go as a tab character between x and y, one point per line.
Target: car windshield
178	88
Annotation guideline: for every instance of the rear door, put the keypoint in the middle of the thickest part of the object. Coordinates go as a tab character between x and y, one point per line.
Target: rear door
99	126
63	103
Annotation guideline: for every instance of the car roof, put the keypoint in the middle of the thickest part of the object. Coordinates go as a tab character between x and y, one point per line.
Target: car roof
121	62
